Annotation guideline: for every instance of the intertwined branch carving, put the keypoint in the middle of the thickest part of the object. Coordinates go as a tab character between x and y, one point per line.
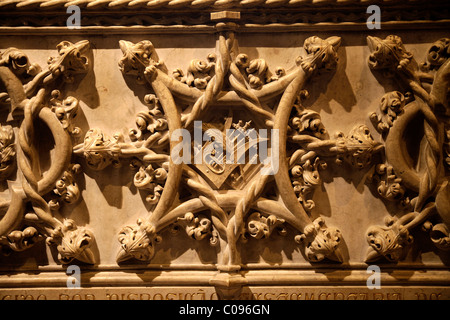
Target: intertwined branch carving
228	203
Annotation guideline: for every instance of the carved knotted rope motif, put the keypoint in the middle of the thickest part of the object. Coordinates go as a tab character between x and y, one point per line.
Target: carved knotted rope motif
424	191
34	97
245	94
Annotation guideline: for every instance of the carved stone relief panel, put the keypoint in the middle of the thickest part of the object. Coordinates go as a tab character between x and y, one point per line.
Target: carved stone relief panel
228	160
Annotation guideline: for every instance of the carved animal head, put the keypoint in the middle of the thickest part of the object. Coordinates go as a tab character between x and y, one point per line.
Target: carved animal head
73	243
71	60
137	242
322	54
387	241
136	57
438	54
388	53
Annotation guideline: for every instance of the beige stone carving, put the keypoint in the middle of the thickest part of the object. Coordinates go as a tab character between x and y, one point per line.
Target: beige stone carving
427	183
7	152
32	99
261	227
203	87
231	214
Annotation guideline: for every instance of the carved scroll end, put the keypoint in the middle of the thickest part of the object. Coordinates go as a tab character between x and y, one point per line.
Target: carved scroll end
66	111
256	71
152	180
199	227
150	122
199	72
19	240
389	185
259	226
66	188
308	122
391	107
305	179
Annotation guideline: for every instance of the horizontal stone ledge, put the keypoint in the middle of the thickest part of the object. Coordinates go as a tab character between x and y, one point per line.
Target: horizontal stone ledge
252	277
208	29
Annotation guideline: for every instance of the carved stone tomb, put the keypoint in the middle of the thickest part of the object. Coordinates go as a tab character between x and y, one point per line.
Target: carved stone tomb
214	150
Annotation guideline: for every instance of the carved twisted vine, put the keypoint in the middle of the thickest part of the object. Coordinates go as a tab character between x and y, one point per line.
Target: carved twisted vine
232	79
33	97
426	100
